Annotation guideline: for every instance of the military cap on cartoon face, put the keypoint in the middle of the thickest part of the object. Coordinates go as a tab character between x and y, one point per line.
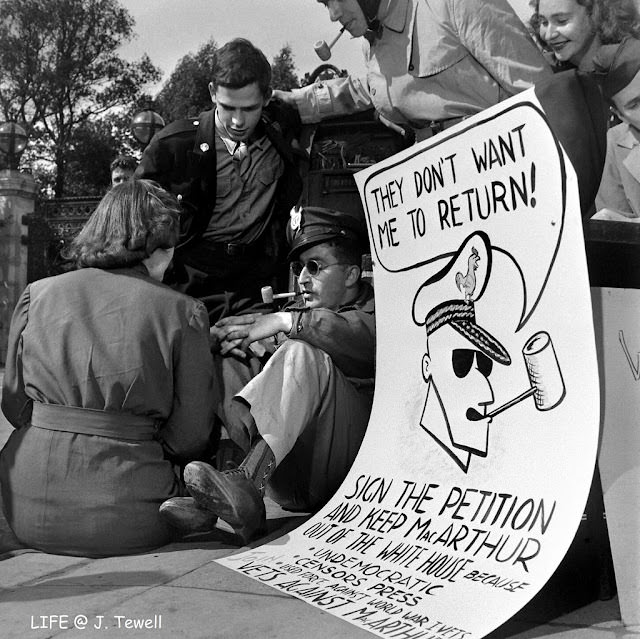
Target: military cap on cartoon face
311	225
448	297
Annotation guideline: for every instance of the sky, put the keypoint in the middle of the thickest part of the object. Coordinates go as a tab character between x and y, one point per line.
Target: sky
169	29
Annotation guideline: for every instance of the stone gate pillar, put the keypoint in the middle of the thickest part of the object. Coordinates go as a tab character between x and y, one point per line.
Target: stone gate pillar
17	199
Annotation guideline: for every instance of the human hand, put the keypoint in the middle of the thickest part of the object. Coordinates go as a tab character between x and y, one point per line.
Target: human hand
239	336
219	331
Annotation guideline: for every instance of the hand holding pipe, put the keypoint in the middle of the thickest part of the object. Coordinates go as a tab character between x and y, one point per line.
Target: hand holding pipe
543	369
268	297
323	49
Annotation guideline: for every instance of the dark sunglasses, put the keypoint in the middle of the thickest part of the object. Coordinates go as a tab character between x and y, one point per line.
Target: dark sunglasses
462	361
313	267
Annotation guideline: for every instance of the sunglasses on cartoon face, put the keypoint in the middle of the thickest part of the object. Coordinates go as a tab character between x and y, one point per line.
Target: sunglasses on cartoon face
313	267
462	361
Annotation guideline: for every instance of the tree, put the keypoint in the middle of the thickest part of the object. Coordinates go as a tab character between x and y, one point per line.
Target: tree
59	68
186	93
93	147
283	70
91	150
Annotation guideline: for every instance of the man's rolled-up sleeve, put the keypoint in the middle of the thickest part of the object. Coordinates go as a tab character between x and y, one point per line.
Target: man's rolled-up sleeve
348	337
329	98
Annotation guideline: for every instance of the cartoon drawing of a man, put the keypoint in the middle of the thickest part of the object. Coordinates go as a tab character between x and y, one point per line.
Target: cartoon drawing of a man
460	353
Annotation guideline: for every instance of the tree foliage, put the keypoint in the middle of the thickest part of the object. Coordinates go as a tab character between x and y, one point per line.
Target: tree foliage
284	71
186	93
93	146
60	68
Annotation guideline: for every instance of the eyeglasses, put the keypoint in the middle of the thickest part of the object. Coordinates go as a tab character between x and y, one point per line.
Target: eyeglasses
462	361
313	267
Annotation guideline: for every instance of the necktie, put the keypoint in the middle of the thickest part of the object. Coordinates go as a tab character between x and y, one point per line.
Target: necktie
242	157
374	31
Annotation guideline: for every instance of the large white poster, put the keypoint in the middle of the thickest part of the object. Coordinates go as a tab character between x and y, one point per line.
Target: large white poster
478	458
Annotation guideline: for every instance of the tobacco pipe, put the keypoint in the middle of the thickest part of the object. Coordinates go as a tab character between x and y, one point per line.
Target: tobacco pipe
323	49
545	377
268	296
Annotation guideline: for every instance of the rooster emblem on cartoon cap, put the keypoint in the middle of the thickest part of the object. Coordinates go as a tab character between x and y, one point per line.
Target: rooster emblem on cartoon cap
467	283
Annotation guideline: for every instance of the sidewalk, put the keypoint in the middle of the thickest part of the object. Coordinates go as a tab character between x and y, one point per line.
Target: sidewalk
178	592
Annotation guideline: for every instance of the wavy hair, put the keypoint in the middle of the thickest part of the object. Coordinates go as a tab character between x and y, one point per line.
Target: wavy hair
612	20
131	221
238	64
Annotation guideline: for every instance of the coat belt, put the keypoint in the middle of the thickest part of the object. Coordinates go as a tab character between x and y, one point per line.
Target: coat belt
88	421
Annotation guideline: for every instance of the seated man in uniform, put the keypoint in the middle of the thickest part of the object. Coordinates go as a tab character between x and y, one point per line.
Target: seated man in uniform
301	417
235	171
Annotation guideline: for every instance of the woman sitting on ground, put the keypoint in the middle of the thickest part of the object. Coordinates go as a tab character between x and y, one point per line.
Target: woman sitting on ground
108	384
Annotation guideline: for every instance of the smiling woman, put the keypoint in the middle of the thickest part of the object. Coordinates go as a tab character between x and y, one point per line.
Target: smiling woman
574	30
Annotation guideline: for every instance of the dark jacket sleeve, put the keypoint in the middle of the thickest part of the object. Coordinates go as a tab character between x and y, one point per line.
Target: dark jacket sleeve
577	115
16	406
167	158
348	337
164	161
153	164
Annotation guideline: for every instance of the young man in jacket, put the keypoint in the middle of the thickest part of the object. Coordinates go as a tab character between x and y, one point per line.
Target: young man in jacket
235	170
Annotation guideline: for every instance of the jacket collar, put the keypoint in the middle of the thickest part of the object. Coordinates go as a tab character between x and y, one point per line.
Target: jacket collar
628	140
394	14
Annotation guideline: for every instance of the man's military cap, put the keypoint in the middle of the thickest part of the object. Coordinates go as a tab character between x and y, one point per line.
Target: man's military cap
311	225
616	65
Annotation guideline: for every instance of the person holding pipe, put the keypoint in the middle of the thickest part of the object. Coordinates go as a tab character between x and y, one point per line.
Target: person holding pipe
299	415
235	170
430	63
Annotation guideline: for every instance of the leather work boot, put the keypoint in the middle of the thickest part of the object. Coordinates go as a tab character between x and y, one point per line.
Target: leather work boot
185	515
231	495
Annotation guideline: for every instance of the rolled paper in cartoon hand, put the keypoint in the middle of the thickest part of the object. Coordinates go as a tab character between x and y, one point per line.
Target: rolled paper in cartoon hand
323	49
545	376
268	296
